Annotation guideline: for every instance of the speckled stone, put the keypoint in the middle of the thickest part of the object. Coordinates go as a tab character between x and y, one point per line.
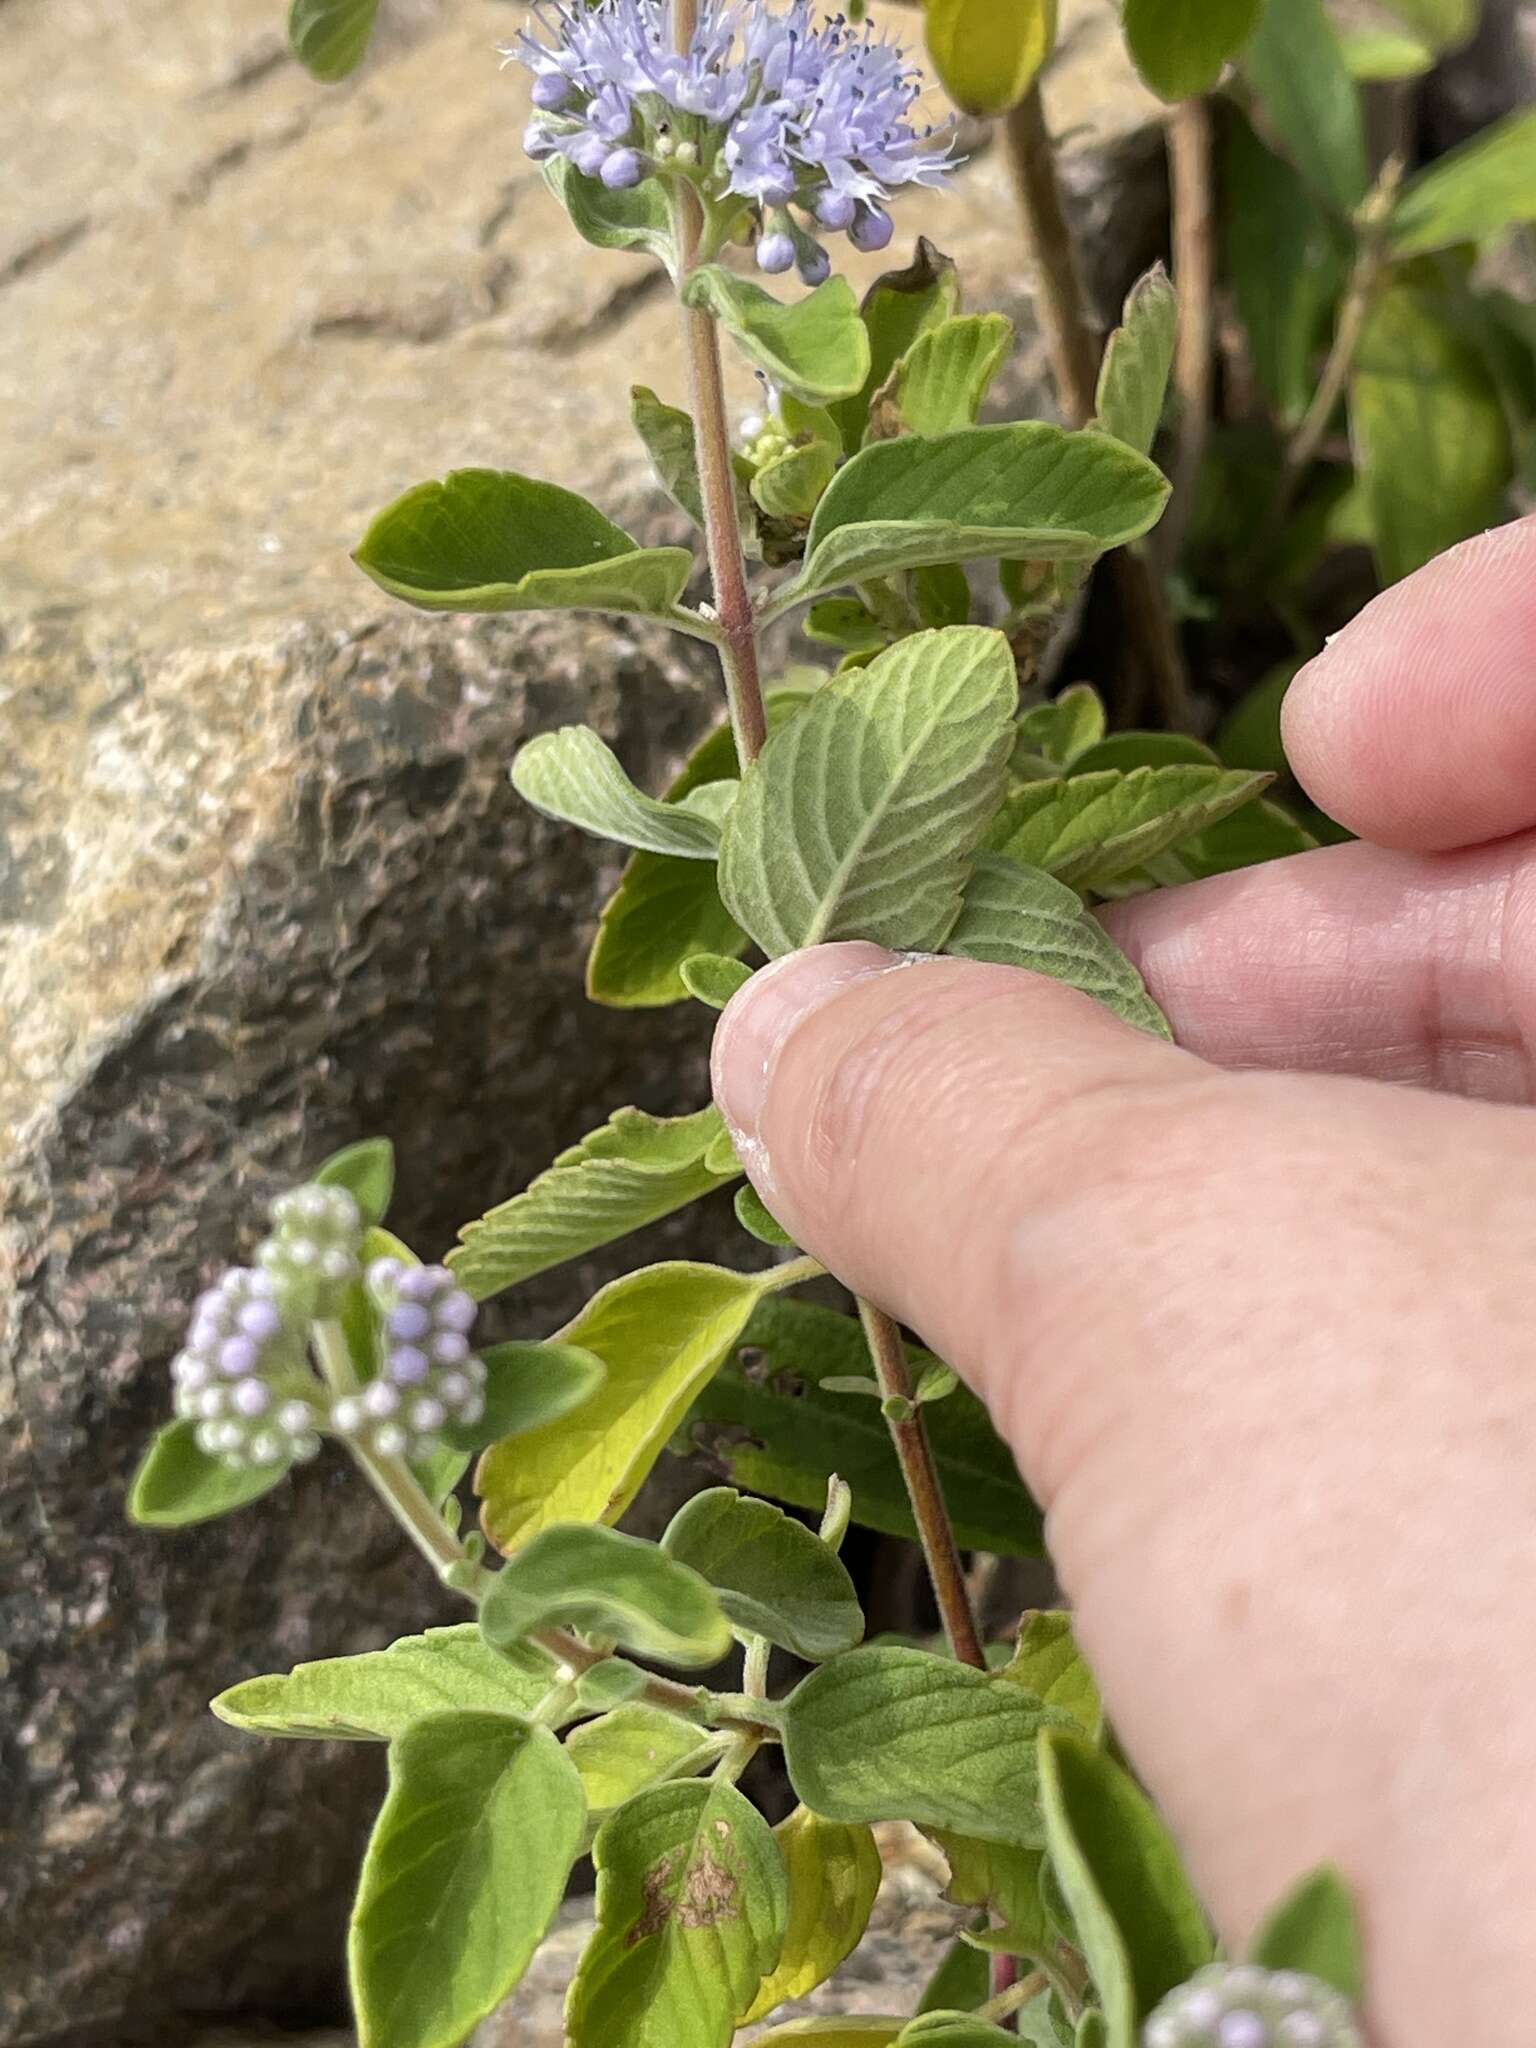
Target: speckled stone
263	885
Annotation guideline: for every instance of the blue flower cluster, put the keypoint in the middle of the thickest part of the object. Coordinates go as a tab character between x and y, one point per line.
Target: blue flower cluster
1239	2005
428	1374
764	109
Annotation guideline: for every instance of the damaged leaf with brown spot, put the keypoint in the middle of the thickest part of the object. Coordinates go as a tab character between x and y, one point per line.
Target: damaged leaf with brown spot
692	1905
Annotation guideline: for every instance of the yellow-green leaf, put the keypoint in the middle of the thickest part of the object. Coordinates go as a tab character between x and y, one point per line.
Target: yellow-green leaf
1485	186
1048	1663
631	1171
635	1746
987	52
376	1696
661	1333
466	1866
834	1875
845	2030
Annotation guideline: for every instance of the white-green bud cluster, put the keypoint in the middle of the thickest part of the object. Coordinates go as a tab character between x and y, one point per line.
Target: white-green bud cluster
763	440
1240	2005
236	1374
313	1251
428	1375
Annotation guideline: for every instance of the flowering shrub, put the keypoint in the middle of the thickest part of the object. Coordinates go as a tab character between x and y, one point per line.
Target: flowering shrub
927	794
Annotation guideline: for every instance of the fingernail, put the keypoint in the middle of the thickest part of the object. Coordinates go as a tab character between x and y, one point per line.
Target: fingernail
761	1017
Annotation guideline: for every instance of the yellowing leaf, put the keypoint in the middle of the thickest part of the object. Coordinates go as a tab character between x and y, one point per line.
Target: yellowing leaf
987	52
834	1874
691	1907
661	1333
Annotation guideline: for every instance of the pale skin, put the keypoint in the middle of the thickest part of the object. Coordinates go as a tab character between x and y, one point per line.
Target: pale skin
1257	1314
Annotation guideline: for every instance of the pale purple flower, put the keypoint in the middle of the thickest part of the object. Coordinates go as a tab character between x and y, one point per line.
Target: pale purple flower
766	107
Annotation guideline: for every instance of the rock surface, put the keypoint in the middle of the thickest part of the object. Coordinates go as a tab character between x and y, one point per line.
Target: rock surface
263	887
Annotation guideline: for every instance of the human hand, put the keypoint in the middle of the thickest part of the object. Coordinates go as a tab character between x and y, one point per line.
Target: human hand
1261	1341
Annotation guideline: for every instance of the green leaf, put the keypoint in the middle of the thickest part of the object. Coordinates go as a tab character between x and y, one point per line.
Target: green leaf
987	52
1430	436
1092	2030
330	37
1089	828
1065	727
637	219
768	1421
837	2030
858	820
177	1484
755	1217
1127	750
1018	917
662	1333
953	2030
489	540
963	1978
834	1876
609	1684
466	1866
1023	492
1316	1930
897	1734
1249	735
526	1387
1380	56
692	1902
898	307
634	1747
816	347
1138	361
791	486
1002	1880
1445	23
939	384
631	1171
377	1696
1181	47
604	1584
367	1171
1048	1663
942	595
1263	831
1474	193
571	775
844	622
1286	262
711	979
669	441
775	1578
1308	100
1142	1930
666	910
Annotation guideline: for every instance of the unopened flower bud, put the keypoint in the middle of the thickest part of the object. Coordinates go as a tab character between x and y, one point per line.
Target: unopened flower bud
775	253
1239	2005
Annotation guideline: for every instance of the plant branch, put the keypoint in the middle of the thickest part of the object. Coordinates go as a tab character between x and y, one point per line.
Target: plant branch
915	1456
1354	311
1075	351
717	481
1194	275
1014	1997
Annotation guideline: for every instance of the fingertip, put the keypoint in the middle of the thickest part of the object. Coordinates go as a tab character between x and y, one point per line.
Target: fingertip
763	1013
1416	725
